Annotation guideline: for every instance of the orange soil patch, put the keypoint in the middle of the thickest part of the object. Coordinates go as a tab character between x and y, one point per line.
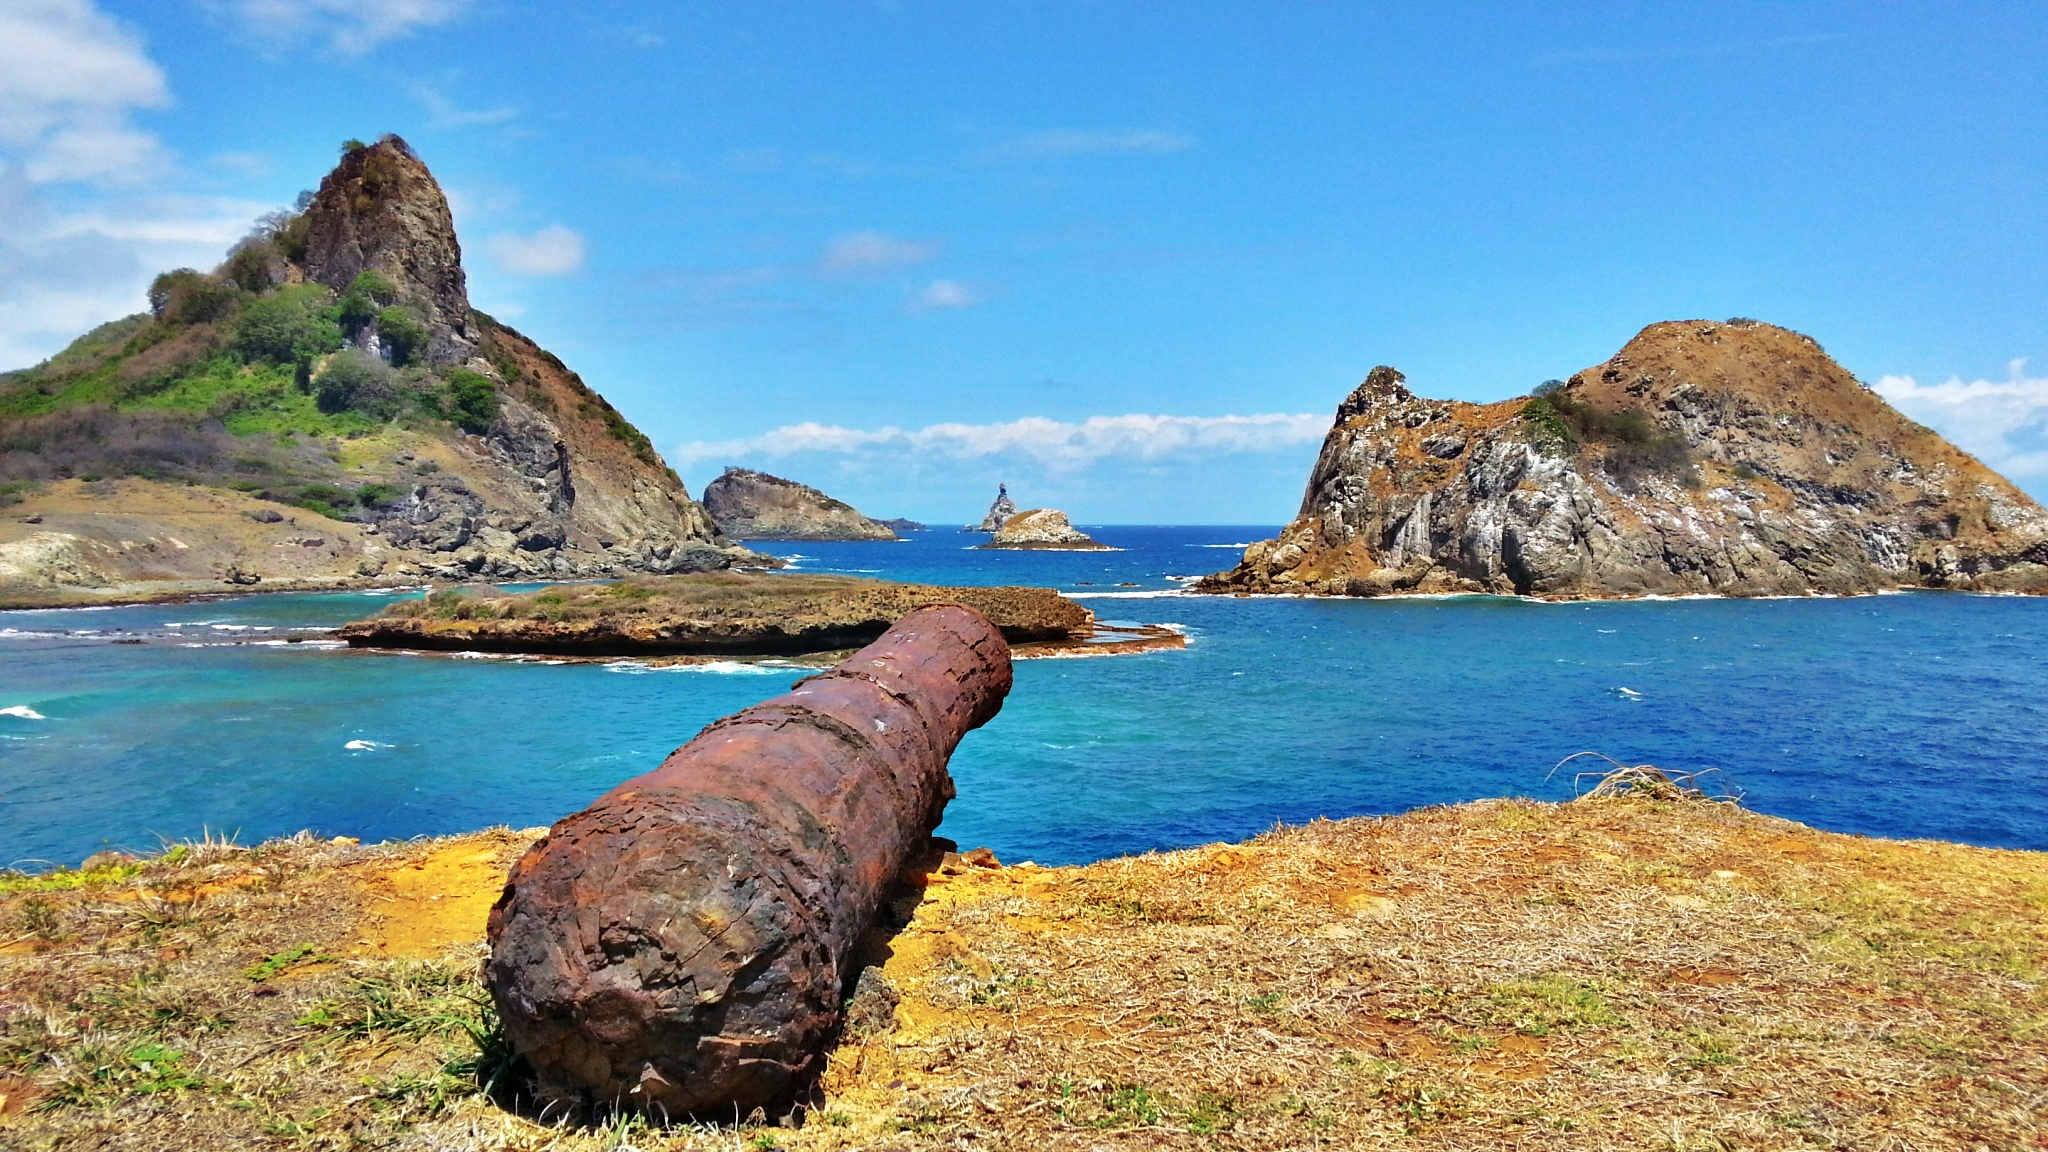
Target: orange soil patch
441	900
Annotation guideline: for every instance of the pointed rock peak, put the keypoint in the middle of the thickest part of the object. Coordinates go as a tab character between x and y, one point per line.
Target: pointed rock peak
381	211
1382	386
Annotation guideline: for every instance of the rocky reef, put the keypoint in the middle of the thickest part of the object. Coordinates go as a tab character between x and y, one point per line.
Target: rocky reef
329	382
1043	528
1729	458
712	614
749	505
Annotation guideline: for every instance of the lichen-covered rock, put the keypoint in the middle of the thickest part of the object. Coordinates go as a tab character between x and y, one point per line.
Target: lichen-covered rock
749	505
1733	458
1045	528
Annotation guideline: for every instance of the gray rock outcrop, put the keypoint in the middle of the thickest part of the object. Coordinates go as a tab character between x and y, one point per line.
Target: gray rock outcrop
1732	458
999	512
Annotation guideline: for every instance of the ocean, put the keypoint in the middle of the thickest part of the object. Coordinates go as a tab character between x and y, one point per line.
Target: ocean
1912	715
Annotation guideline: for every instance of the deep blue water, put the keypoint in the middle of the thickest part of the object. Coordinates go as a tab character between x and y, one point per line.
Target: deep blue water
1909	715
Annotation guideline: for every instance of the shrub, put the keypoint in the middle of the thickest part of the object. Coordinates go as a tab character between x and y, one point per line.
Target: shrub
366	294
355	381
402	332
1637	446
292	326
469	400
378	495
255	265
185	296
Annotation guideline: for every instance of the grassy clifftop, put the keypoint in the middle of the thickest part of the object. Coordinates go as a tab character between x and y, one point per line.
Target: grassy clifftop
1620	972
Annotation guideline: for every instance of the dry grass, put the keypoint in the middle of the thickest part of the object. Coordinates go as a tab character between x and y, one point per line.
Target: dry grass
1619	972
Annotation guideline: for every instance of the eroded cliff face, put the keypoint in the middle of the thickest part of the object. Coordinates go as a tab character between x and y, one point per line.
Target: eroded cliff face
749	505
1727	458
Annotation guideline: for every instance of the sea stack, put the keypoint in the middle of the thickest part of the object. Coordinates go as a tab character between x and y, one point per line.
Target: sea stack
751	505
998	512
1731	458
1043	528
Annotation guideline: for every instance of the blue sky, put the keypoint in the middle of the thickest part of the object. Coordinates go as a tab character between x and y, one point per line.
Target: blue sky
1127	257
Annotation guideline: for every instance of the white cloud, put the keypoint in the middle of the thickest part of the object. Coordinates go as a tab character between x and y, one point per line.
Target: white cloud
350	27
70	78
1052	444
1062	142
945	294
862	253
88	207
553	251
442	112
2002	422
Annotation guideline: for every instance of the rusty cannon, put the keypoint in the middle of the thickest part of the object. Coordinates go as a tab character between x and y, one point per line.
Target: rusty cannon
682	946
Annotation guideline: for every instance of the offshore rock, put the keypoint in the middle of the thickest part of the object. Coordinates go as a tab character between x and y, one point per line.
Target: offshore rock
685	945
999	512
1730	458
749	505
1043	528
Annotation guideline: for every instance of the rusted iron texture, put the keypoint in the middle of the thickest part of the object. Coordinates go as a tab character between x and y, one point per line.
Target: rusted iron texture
681	946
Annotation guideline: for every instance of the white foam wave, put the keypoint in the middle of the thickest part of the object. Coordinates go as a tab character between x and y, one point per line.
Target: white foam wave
23	711
366	745
1245	545
715	667
1154	594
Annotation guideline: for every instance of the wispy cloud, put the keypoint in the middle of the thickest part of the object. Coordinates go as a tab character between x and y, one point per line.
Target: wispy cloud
443	113
70	80
869	252
1056	445
349	27
944	294
2002	422
88	203
556	250
1063	142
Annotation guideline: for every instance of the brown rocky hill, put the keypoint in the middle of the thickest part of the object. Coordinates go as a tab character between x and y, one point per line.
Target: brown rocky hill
749	505
327	409
1732	458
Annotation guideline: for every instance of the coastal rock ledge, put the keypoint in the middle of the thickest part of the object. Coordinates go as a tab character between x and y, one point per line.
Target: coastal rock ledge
1728	458
1044	528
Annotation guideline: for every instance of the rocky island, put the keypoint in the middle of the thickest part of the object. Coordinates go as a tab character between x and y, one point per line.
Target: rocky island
727	614
1732	458
1043	528
749	505
326	409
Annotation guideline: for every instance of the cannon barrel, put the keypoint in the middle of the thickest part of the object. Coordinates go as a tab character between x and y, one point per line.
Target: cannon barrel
681	946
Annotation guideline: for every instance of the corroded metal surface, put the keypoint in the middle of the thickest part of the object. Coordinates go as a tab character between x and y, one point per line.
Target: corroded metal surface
681	946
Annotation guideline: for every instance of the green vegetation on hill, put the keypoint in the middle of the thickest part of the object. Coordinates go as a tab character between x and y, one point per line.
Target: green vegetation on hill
235	378
1636	446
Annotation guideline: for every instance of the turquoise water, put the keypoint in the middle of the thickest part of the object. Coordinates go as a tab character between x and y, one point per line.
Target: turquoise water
1911	715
